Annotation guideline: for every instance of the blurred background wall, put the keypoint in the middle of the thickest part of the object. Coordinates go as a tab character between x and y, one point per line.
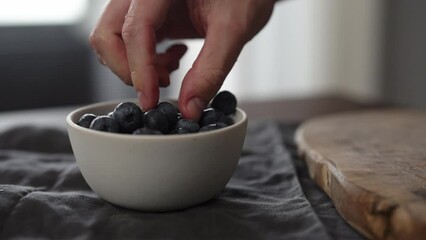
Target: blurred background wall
366	50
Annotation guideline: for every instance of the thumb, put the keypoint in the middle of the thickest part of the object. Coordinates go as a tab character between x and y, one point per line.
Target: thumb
216	58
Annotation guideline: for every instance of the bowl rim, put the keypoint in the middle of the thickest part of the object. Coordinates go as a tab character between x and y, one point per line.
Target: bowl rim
72	124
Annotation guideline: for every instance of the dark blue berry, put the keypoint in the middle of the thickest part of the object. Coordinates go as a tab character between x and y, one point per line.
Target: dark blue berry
224	119
212	127
221	124
227	120
105	124
209	116
170	111
179	117
146	131
129	116
86	119
180	131
188	124
225	102
155	119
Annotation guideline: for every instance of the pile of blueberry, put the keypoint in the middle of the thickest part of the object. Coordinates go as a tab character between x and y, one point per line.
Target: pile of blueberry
128	118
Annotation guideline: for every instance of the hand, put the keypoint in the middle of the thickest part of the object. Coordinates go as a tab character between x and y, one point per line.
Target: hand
126	35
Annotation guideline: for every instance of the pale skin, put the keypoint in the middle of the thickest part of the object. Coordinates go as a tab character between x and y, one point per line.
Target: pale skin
126	35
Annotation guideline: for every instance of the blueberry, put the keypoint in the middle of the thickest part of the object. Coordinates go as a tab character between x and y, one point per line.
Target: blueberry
212	127
155	119
221	124
179	117
86	119
225	102
129	116
105	124
146	131
188	124
224	119
209	116
170	111
180	131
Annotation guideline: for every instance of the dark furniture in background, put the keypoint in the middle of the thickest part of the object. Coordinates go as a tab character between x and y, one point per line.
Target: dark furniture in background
404	59
43	67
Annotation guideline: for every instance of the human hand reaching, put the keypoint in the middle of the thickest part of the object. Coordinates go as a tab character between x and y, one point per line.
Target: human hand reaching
126	35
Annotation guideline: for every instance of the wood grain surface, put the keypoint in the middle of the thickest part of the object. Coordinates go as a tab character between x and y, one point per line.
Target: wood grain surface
373	166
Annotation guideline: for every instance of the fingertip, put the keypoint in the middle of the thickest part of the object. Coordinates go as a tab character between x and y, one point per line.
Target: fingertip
192	108
196	92
145	102
145	82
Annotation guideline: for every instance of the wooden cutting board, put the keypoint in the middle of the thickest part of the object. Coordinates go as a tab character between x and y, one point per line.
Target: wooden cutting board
372	164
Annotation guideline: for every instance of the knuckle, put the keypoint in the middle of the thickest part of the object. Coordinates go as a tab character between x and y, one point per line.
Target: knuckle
236	25
239	29
129	30
95	40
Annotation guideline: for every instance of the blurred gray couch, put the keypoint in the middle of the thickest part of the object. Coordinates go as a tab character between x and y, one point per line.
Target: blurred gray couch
43	67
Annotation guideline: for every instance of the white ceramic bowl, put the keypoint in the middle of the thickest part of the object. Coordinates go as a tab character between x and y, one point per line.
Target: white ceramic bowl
151	172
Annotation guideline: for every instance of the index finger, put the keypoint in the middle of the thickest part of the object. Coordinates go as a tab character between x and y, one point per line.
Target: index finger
107	42
142	20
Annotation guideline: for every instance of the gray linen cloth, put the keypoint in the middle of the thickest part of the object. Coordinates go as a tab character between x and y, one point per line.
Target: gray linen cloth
270	196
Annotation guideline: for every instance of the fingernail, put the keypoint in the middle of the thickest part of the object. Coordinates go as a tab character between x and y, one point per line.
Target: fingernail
196	105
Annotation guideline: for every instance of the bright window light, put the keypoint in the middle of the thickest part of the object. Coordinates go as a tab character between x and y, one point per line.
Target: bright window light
41	12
